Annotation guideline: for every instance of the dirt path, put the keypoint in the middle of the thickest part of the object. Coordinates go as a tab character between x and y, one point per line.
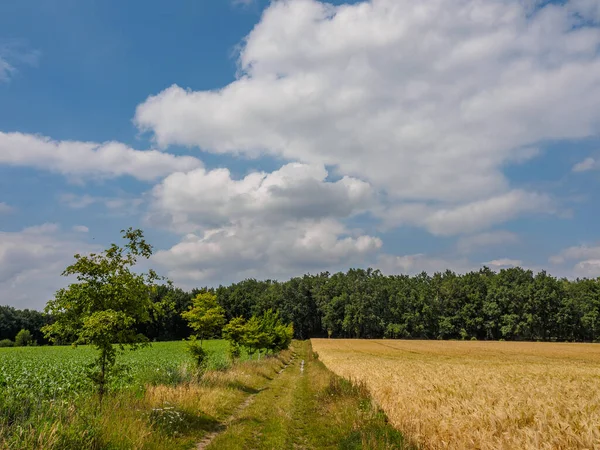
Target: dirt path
209	438
306	407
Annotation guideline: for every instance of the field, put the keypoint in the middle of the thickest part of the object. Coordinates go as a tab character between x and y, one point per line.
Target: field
286	401
58	372
483	395
156	401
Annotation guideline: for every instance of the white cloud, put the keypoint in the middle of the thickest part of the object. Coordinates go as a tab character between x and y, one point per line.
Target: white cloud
5	208
275	224
203	199
246	249
468	217
585	165
468	244
420	105
417	263
81	229
31	262
589	268
110	159
586	260
428	100
504	263
577	253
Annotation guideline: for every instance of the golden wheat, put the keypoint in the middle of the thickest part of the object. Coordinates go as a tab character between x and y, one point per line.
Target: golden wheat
479	395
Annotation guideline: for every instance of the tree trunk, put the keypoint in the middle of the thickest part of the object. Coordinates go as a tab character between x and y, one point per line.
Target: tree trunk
102	378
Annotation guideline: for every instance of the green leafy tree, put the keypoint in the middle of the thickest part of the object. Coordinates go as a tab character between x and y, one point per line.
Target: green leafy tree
205	316
279	334
255	337
234	332
23	338
106	305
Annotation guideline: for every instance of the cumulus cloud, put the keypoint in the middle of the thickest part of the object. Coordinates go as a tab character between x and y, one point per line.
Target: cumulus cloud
429	100
247	249
31	261
589	268
468	217
586	165
417	263
468	244
504	263
584	258
107	160
424	103
577	253
80	229
200	198
275	224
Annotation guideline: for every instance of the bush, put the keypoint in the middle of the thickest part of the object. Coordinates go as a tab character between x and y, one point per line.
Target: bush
23	338
266	332
6	343
234	351
197	352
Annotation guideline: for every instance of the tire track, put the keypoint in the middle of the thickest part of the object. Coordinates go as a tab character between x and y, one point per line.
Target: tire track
207	440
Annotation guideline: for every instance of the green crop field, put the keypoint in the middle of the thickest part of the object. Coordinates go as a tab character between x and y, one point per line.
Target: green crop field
46	373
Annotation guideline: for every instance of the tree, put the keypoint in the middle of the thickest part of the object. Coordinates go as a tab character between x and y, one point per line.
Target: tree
205	316
23	338
256	337
234	333
106	305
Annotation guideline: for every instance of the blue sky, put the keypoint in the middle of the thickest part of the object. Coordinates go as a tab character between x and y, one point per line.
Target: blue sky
268	139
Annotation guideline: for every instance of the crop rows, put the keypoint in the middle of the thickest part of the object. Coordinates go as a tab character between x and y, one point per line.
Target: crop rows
59	372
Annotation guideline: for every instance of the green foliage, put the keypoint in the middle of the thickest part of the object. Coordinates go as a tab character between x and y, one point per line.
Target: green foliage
106	304
23	338
198	353
13	320
6	343
266	332
234	333
205	316
513	304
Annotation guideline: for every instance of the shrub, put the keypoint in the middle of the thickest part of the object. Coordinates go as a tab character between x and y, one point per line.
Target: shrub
6	343
23	338
234	351
266	332
197	352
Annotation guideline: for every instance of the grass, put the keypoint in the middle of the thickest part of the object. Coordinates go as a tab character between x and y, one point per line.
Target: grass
310	408
484	395
59	372
157	402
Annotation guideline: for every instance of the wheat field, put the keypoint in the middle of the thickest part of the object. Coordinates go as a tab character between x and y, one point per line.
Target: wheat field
479	395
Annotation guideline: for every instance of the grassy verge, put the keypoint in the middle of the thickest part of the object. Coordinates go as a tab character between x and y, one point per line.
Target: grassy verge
174	416
307	406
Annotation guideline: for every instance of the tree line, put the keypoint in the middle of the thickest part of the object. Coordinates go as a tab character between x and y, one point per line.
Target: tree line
512	304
